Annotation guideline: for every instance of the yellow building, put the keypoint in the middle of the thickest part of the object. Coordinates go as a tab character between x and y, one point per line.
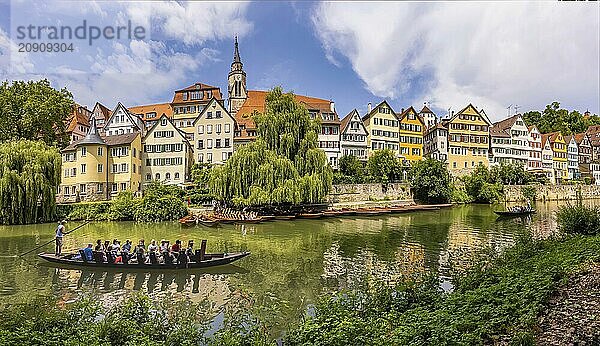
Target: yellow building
189	103
468	140
559	156
97	168
411	135
382	128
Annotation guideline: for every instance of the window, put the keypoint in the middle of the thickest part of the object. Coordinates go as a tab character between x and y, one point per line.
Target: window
200	157
100	168
168	176
200	144
209	157
157	175
82	188
227	128
83	151
208	115
123	186
185	96
114	187
224	156
114	168
217	143
124	168
134	152
200	129
83	167
100	188
226	142
163	121
218	114
176	175
218	128
209	143
134	169
208	128
148	176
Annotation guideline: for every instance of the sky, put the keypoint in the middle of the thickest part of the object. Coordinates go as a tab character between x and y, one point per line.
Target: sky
448	54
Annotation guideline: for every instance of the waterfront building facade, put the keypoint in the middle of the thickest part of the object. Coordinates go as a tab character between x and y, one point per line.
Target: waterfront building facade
353	136
595	172
435	142
572	158
151	113
429	118
547	159
559	156
509	142
77	124
585	148
468	140
383	128
410	141
593	133
98	168
167	154
214	130
100	114
534	161
188	103
122	121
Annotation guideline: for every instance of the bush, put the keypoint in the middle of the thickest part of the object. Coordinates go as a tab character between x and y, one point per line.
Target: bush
384	166
578	219
123	207
430	181
481	186
529	193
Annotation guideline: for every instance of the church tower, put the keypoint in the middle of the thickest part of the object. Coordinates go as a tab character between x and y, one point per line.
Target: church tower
238	93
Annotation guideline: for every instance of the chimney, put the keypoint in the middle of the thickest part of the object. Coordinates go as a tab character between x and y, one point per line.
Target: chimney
451	115
369	107
332	106
402	111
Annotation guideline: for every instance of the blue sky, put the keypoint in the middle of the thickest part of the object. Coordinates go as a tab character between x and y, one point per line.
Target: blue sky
491	54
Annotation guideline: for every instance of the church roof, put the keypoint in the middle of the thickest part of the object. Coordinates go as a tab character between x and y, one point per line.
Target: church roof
236	53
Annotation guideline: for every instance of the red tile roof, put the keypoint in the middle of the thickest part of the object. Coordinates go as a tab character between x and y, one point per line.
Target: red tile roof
215	91
158	108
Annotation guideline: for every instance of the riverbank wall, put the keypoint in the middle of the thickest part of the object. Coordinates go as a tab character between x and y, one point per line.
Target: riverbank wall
351	193
514	193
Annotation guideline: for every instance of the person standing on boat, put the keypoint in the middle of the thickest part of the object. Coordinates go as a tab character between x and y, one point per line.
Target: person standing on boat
60	232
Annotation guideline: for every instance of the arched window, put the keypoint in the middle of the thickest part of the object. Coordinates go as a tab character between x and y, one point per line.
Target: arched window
176	175
157	176
148	176
168	176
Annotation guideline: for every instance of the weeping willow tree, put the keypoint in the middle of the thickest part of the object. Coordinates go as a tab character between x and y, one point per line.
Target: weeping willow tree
282	166
29	177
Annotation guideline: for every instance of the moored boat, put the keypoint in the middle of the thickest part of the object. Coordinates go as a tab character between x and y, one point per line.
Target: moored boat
285	217
310	215
209	260
514	213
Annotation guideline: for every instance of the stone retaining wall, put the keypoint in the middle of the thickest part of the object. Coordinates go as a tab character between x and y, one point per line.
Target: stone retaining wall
553	192
369	192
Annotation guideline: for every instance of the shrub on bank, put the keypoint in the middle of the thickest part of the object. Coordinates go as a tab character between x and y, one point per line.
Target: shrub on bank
159	203
578	219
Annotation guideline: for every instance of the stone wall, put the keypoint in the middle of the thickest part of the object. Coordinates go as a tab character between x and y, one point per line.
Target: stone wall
554	192
369	192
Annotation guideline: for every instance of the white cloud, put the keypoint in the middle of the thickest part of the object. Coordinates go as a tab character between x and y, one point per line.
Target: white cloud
489	53
132	72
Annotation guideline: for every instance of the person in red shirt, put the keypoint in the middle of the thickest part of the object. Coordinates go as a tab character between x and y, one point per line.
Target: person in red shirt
176	247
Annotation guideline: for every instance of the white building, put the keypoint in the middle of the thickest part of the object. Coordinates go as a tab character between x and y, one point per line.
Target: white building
534	163
428	116
435	142
509	142
167	154
214	129
595	171
547	161
354	136
122	121
572	158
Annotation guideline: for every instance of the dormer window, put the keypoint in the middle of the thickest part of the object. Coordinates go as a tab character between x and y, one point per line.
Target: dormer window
163	121
185	96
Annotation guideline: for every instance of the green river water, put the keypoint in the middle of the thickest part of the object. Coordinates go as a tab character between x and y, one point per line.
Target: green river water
292	262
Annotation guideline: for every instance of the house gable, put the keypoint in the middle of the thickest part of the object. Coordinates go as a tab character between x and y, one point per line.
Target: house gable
353	117
213	106
122	118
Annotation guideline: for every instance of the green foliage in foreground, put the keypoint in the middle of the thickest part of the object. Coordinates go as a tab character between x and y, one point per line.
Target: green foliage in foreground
579	219
135	321
29	175
159	203
499	298
431	181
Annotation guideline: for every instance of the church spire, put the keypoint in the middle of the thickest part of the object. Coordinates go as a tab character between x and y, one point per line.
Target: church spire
236	54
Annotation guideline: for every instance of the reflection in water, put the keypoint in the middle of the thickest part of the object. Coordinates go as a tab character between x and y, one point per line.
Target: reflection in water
292	262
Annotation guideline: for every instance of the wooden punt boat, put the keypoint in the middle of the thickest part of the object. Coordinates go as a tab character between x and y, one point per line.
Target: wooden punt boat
310	215
189	220
285	217
507	213
268	217
333	213
347	212
210	260
208	222
368	212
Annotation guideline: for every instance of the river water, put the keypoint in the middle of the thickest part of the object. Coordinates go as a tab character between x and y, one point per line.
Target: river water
292	262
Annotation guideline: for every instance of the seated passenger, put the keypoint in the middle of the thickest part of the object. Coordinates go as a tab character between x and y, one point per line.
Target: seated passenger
127	246
152	247
190	250
98	245
88	253
164	246
107	246
176	247
116	246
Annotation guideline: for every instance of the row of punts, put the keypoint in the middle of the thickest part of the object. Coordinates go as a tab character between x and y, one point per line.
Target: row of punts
212	220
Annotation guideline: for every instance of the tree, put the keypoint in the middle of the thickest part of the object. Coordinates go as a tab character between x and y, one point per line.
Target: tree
384	167
282	166
430	181
30	173
34	110
350	165
479	187
160	203
510	174
553	118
